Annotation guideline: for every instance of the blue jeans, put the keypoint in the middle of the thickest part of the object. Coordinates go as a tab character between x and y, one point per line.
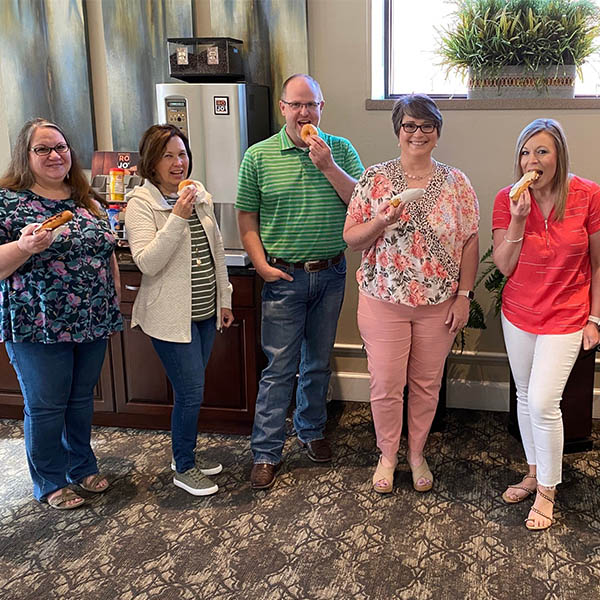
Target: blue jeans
185	364
299	320
57	382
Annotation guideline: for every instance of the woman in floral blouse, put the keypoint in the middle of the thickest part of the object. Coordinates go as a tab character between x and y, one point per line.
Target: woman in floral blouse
58	305
419	261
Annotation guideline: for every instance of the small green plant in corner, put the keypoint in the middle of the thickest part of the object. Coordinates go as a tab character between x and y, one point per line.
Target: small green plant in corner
493	281
488	35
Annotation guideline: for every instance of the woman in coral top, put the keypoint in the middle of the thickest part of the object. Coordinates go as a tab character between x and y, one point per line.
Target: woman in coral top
547	242
419	261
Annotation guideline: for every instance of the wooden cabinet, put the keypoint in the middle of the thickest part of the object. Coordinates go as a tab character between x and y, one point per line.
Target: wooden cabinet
134	390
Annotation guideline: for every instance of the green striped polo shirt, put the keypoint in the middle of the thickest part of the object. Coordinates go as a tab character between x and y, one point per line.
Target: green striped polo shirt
301	215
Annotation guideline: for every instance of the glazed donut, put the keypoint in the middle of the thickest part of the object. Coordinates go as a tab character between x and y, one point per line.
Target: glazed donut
308	130
56	221
184	183
521	185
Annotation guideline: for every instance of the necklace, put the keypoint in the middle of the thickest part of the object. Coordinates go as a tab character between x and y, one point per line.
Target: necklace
417	177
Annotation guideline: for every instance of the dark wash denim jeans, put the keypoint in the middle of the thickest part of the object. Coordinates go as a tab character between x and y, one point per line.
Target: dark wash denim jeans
299	321
57	382
185	364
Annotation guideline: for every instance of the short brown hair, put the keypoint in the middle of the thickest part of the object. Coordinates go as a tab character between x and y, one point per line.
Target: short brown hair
18	176
560	182
152	148
418	106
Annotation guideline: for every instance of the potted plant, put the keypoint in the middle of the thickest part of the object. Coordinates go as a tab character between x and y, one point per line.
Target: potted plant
520	48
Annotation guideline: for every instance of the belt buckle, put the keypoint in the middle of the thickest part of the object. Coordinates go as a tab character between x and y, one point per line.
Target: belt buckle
309	265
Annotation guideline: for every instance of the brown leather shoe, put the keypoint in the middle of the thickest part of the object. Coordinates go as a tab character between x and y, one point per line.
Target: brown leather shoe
262	476
317	450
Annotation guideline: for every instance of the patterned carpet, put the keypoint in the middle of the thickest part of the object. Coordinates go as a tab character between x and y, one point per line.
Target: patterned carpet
320	533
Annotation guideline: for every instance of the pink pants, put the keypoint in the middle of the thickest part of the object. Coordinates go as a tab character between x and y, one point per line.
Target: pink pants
404	345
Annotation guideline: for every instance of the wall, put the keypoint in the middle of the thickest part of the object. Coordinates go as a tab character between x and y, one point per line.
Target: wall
481	143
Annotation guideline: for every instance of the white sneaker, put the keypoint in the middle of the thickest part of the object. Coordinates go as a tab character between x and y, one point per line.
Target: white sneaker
194	482
208	467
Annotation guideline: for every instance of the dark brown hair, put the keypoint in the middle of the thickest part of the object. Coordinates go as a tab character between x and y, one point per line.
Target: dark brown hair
152	148
417	106
19	177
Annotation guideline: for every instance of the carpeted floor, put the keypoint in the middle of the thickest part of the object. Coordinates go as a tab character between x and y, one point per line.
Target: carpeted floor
320	533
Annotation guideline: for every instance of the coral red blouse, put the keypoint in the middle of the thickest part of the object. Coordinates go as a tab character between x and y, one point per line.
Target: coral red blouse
549	290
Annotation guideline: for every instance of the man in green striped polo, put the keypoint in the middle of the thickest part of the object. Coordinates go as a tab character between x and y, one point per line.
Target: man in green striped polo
291	202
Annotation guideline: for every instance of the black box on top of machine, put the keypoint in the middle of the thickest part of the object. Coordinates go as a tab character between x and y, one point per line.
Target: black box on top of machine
198	60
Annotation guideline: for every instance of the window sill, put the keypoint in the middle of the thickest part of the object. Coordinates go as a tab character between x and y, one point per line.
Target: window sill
499	104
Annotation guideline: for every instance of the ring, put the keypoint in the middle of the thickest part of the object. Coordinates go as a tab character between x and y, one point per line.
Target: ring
387	218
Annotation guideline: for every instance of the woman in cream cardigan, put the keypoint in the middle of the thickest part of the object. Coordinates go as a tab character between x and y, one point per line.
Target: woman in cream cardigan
185	294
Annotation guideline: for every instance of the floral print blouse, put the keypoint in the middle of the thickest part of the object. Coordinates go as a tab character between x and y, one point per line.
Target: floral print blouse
416	261
65	293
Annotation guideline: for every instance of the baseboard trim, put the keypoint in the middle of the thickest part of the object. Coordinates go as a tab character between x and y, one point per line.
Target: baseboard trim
473	395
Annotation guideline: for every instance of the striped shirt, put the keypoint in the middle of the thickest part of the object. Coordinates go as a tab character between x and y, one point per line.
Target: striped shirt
204	285
301	215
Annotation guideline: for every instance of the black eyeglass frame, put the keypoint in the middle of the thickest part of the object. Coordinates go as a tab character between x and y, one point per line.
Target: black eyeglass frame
412	127
41	150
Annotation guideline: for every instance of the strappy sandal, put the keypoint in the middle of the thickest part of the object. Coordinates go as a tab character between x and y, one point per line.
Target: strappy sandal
383	478
61	501
539	512
518	486
422	472
92	484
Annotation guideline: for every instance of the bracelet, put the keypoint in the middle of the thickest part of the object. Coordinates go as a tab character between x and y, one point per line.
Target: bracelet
513	241
595	320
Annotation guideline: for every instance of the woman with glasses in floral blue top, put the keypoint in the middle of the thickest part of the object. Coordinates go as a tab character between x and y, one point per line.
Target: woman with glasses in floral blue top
58	305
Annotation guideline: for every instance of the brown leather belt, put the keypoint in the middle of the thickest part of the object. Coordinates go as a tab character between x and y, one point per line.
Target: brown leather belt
310	266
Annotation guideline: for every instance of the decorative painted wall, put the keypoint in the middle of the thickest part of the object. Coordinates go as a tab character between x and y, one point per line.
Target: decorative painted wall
275	37
135	34
44	69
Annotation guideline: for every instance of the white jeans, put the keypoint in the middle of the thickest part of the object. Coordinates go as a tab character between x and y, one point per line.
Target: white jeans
540	366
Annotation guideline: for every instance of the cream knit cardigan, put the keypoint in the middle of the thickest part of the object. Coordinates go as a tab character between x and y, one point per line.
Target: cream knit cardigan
162	250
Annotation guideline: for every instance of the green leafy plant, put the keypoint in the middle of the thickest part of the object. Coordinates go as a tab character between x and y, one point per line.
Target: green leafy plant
488	35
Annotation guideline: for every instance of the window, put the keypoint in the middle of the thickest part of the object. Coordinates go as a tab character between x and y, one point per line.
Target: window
404	60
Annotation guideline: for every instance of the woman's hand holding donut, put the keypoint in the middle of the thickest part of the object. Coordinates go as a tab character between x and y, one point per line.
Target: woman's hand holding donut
34	244
520	209
387	214
185	203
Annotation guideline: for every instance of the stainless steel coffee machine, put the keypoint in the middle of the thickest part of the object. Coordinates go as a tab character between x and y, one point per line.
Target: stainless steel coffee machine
221	120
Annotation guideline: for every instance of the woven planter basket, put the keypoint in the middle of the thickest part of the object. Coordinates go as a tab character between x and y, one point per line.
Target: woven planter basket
520	82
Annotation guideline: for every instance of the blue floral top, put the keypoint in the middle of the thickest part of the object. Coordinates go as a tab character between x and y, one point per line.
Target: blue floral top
65	293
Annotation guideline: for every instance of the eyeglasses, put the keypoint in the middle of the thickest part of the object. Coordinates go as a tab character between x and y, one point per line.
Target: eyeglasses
412	127
299	105
61	148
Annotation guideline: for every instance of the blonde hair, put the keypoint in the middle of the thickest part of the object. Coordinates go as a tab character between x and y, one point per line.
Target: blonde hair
560	182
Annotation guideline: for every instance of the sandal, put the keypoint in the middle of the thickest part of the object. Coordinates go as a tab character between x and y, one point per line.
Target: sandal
539	512
422	472
92	484
383	478
61	501
517	486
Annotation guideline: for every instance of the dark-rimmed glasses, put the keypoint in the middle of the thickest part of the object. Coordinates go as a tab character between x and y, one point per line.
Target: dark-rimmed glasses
412	127
61	148
299	105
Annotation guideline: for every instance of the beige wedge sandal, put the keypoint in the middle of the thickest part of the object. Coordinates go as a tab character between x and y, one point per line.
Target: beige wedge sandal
383	478
422	472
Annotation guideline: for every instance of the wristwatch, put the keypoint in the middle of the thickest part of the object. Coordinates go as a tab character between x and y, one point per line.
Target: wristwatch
594	320
467	293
